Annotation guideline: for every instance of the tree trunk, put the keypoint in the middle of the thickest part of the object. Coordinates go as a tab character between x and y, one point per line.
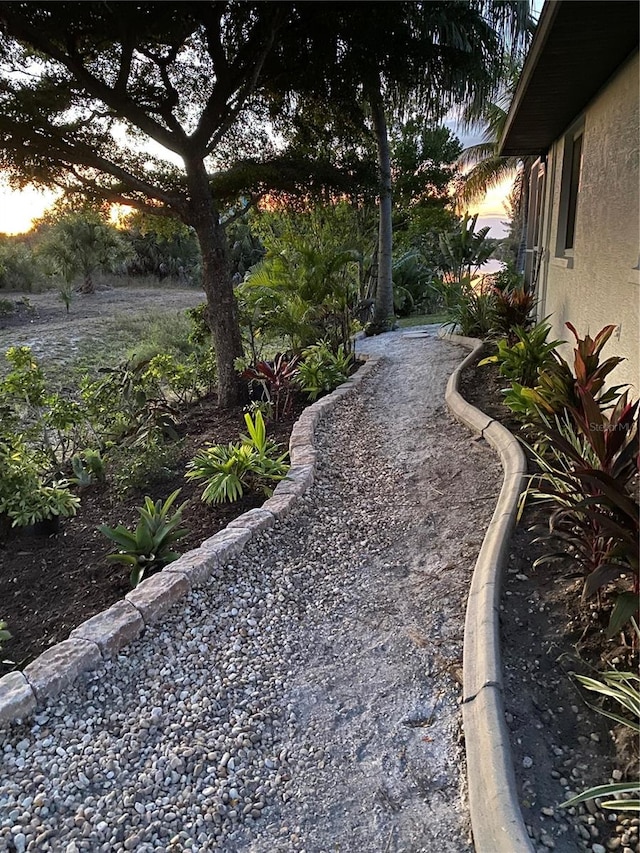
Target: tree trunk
87	283
383	314
218	287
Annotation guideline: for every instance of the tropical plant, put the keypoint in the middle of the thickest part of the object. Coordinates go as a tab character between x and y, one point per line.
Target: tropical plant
65	294
277	380
321	370
150	546
586	474
622	688
412	283
88	468
82	244
465	250
512	309
523	360
469	308
485	167
254	462
559	388
25	499
142	465
20	268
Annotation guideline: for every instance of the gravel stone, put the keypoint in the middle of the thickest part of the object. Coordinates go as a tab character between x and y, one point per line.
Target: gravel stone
306	692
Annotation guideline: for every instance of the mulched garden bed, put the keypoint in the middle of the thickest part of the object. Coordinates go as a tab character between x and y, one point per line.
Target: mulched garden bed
49	585
548	632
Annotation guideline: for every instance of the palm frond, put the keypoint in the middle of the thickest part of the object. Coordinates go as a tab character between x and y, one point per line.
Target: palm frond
484	176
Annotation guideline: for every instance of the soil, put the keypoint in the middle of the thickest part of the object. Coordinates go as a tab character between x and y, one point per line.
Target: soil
50	584
68	573
548	634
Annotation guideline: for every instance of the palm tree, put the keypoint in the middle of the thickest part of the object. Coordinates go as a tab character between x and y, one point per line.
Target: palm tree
487	168
81	244
425	57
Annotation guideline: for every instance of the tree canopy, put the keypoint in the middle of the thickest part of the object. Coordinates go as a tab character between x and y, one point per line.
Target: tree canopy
178	109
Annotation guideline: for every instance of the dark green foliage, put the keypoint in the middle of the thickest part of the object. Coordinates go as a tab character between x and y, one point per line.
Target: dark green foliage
470	308
321	370
164	255
150	546
465	250
523	360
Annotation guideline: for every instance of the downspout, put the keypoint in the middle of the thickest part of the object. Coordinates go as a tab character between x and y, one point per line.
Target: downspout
549	186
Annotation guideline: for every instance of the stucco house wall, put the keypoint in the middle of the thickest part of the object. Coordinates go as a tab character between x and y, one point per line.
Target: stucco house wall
598	282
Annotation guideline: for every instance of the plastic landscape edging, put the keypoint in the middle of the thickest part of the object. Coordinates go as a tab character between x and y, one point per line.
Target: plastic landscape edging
496	819
104	635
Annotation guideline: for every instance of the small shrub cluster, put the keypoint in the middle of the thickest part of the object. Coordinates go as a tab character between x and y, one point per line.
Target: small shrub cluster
254	462
587	451
480	309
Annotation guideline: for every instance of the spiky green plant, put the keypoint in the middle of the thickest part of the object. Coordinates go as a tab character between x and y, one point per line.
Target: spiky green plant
149	546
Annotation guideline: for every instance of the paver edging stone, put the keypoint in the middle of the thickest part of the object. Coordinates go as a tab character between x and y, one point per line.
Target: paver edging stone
106	633
496	818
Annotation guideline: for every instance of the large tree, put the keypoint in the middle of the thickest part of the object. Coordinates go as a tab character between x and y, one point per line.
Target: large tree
391	61
159	106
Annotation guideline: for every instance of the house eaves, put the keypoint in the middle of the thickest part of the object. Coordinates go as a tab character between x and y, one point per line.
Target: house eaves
577	47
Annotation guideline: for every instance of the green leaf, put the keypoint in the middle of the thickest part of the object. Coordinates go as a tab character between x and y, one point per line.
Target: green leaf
625	607
602	791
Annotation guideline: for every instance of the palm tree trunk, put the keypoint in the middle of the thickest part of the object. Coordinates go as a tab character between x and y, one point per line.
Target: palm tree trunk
383	316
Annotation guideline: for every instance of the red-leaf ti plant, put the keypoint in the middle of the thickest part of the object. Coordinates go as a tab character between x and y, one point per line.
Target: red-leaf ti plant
277	378
598	515
512	308
558	388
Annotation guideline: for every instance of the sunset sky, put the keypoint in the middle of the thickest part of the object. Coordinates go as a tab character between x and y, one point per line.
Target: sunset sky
18	209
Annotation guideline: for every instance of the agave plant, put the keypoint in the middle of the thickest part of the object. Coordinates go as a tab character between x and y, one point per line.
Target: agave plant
149	546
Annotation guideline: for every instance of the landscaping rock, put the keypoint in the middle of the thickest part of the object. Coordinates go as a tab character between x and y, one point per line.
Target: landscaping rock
112	629
59	666
154	596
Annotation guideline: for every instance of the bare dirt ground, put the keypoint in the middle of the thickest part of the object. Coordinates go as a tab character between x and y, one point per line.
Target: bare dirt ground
42	322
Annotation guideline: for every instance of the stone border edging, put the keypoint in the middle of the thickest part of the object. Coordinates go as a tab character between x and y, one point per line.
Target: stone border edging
102	636
496	819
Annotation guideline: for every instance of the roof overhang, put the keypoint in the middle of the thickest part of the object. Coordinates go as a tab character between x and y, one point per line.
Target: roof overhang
577	47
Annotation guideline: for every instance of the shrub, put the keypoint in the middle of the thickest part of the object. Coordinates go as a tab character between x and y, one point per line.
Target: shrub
321	370
523	360
470	308
254	463
24	497
141	465
586	472
559	388
277	379
512	309
149	546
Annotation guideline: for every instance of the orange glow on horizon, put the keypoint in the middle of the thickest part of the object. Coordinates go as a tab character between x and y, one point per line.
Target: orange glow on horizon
19	208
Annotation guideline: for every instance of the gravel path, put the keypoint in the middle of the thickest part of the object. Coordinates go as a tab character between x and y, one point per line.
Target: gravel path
307	699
